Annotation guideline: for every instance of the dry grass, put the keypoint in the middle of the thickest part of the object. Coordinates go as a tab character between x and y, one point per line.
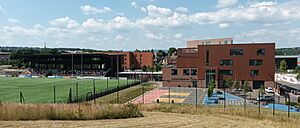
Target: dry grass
234	111
67	111
157	119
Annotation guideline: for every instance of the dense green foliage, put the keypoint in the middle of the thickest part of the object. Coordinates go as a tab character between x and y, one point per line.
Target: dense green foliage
246	87
288	51
211	87
40	90
283	66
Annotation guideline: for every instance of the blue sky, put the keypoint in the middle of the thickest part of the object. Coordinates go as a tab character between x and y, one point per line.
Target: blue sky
146	24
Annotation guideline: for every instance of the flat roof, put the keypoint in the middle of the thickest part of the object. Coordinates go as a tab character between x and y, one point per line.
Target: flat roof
294	86
287	56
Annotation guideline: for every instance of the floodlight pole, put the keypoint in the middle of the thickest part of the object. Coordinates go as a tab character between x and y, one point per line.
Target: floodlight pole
94	91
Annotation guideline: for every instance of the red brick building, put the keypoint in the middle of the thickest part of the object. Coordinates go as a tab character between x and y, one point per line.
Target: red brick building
242	62
136	60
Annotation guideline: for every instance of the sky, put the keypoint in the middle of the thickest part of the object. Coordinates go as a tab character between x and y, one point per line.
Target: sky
146	24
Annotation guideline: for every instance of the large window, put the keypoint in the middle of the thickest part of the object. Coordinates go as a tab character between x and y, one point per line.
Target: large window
261	51
174	71
255	62
226	62
236	52
194	72
254	72
186	72
226	72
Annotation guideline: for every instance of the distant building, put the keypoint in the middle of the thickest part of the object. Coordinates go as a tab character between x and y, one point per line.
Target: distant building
87	64
216	41
4	56
242	62
136	60
292	61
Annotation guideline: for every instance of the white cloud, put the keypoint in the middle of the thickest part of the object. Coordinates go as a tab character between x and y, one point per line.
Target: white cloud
87	9
65	22
153	36
118	23
143	9
134	4
291	37
12	20
223	25
226	3
2	10
182	10
262	4
154	11
178	35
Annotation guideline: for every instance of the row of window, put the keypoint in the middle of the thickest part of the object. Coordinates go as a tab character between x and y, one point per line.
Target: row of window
252	62
240	52
230	72
192	72
186	72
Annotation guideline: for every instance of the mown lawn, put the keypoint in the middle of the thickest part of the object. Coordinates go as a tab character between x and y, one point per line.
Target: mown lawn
41	90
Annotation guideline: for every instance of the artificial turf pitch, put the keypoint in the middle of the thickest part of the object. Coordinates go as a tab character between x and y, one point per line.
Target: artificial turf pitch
41	90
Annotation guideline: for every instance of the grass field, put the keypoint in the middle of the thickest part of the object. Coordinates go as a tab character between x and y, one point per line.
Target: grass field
40	90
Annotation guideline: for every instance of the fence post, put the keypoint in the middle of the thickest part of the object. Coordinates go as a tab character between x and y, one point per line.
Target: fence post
245	96
54	95
106	83
22	98
289	106
274	104
76	91
224	89
259	103
94	91
70	95
169	94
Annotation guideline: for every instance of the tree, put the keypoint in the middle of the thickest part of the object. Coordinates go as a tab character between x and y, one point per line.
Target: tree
144	68
172	50
211	87
283	66
246	87
228	83
237	85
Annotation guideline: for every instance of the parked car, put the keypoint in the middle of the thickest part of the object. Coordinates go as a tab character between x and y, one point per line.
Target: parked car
265	98
269	90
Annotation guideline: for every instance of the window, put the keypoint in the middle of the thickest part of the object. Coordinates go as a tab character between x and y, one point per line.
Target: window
174	71
95	59
255	62
194	72
236	52
141	55
186	72
226	62
225	41
261	51
254	73
140	59
207	57
226	72
51	59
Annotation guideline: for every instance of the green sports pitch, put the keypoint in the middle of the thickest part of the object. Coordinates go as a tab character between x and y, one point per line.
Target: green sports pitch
41	90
